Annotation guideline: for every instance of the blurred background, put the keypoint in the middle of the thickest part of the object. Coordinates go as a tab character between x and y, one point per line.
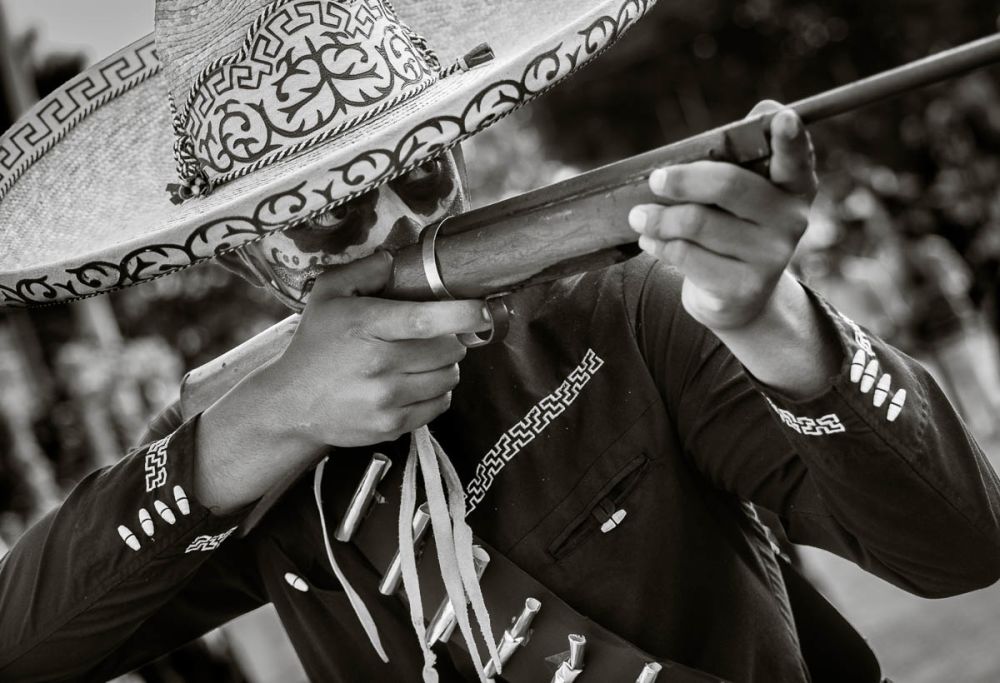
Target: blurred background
905	238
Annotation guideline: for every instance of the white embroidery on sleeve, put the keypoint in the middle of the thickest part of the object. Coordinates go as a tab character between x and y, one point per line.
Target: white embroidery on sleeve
865	370
182	501
808	426
206	542
165	512
130	540
156	464
146	522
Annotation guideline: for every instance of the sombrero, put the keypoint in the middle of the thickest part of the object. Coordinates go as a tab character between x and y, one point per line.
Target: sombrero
237	118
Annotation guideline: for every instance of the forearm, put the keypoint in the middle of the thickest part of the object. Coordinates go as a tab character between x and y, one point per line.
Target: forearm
247	442
790	346
82	581
892	477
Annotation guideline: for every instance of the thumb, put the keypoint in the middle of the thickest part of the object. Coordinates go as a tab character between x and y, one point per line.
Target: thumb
363	277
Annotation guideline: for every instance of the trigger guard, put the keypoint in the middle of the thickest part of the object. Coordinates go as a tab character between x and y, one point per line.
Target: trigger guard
499	314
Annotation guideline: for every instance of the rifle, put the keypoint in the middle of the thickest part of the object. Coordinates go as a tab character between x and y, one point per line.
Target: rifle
576	225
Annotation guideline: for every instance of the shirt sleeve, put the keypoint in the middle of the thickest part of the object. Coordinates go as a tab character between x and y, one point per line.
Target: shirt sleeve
877	467
129	567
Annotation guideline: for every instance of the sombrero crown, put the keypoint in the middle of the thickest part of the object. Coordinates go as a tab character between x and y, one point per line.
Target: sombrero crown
241	117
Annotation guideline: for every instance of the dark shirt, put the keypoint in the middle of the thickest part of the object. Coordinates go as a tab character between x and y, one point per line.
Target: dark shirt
604	392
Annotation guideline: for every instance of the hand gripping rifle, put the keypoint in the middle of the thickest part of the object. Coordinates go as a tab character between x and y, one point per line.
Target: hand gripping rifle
576	225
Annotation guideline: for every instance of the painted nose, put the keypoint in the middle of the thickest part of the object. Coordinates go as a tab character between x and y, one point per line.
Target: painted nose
406	225
404	232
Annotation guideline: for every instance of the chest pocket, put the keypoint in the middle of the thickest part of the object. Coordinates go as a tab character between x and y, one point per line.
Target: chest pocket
604	512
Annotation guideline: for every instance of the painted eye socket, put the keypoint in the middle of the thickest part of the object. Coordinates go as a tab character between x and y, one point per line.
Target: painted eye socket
334	217
429	169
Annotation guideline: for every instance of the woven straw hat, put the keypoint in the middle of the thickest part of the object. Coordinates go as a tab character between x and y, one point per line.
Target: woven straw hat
258	116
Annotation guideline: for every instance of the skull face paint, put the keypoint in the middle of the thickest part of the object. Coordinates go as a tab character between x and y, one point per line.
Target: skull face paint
388	217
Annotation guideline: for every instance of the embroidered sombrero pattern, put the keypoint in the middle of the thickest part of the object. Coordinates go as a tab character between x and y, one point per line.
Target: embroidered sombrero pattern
308	73
296	185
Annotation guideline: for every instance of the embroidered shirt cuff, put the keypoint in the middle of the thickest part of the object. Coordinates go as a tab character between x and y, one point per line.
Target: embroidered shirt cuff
166	511
872	387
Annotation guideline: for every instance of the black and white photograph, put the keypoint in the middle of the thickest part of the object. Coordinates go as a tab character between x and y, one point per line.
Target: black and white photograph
535	341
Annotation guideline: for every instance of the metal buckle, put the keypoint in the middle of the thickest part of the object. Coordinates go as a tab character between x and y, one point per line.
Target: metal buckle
572	666
394	574
442	624
362	498
515	636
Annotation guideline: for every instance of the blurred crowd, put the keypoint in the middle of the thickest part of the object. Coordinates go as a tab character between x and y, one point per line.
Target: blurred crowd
905	236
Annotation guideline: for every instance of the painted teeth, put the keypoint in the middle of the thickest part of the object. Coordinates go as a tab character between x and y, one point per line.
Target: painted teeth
166	513
182	501
130	540
146	522
296	582
896	405
882	390
868	381
858	365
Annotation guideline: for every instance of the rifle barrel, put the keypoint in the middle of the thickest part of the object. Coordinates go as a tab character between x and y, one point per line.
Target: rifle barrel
938	67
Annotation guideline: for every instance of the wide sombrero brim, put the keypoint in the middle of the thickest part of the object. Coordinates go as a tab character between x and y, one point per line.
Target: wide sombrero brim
83	205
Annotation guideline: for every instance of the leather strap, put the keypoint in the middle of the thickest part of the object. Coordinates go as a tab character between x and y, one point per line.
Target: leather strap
608	657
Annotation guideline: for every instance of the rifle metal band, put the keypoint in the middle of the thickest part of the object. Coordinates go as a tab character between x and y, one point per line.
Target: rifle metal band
495	306
428	252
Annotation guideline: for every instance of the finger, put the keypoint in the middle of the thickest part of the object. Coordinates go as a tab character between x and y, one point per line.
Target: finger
427	355
419	414
713	229
397	320
363	277
711	272
764	107
793	161
423	386
737	190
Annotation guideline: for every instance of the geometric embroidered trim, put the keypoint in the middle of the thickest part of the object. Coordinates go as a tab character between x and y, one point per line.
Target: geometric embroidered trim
156	464
49	121
241	113
206	542
808	426
529	427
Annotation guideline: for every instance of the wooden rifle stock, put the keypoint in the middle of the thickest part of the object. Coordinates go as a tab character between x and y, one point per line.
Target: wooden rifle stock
579	224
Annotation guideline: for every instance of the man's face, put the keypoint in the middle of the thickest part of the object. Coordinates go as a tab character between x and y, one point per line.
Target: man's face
388	217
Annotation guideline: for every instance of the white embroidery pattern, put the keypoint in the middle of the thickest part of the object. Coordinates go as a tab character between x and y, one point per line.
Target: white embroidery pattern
206	542
296	582
530	426
864	372
156	464
859	336
126	535
808	426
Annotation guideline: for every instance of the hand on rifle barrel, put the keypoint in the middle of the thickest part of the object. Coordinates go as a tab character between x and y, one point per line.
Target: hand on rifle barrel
371	369
730	231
